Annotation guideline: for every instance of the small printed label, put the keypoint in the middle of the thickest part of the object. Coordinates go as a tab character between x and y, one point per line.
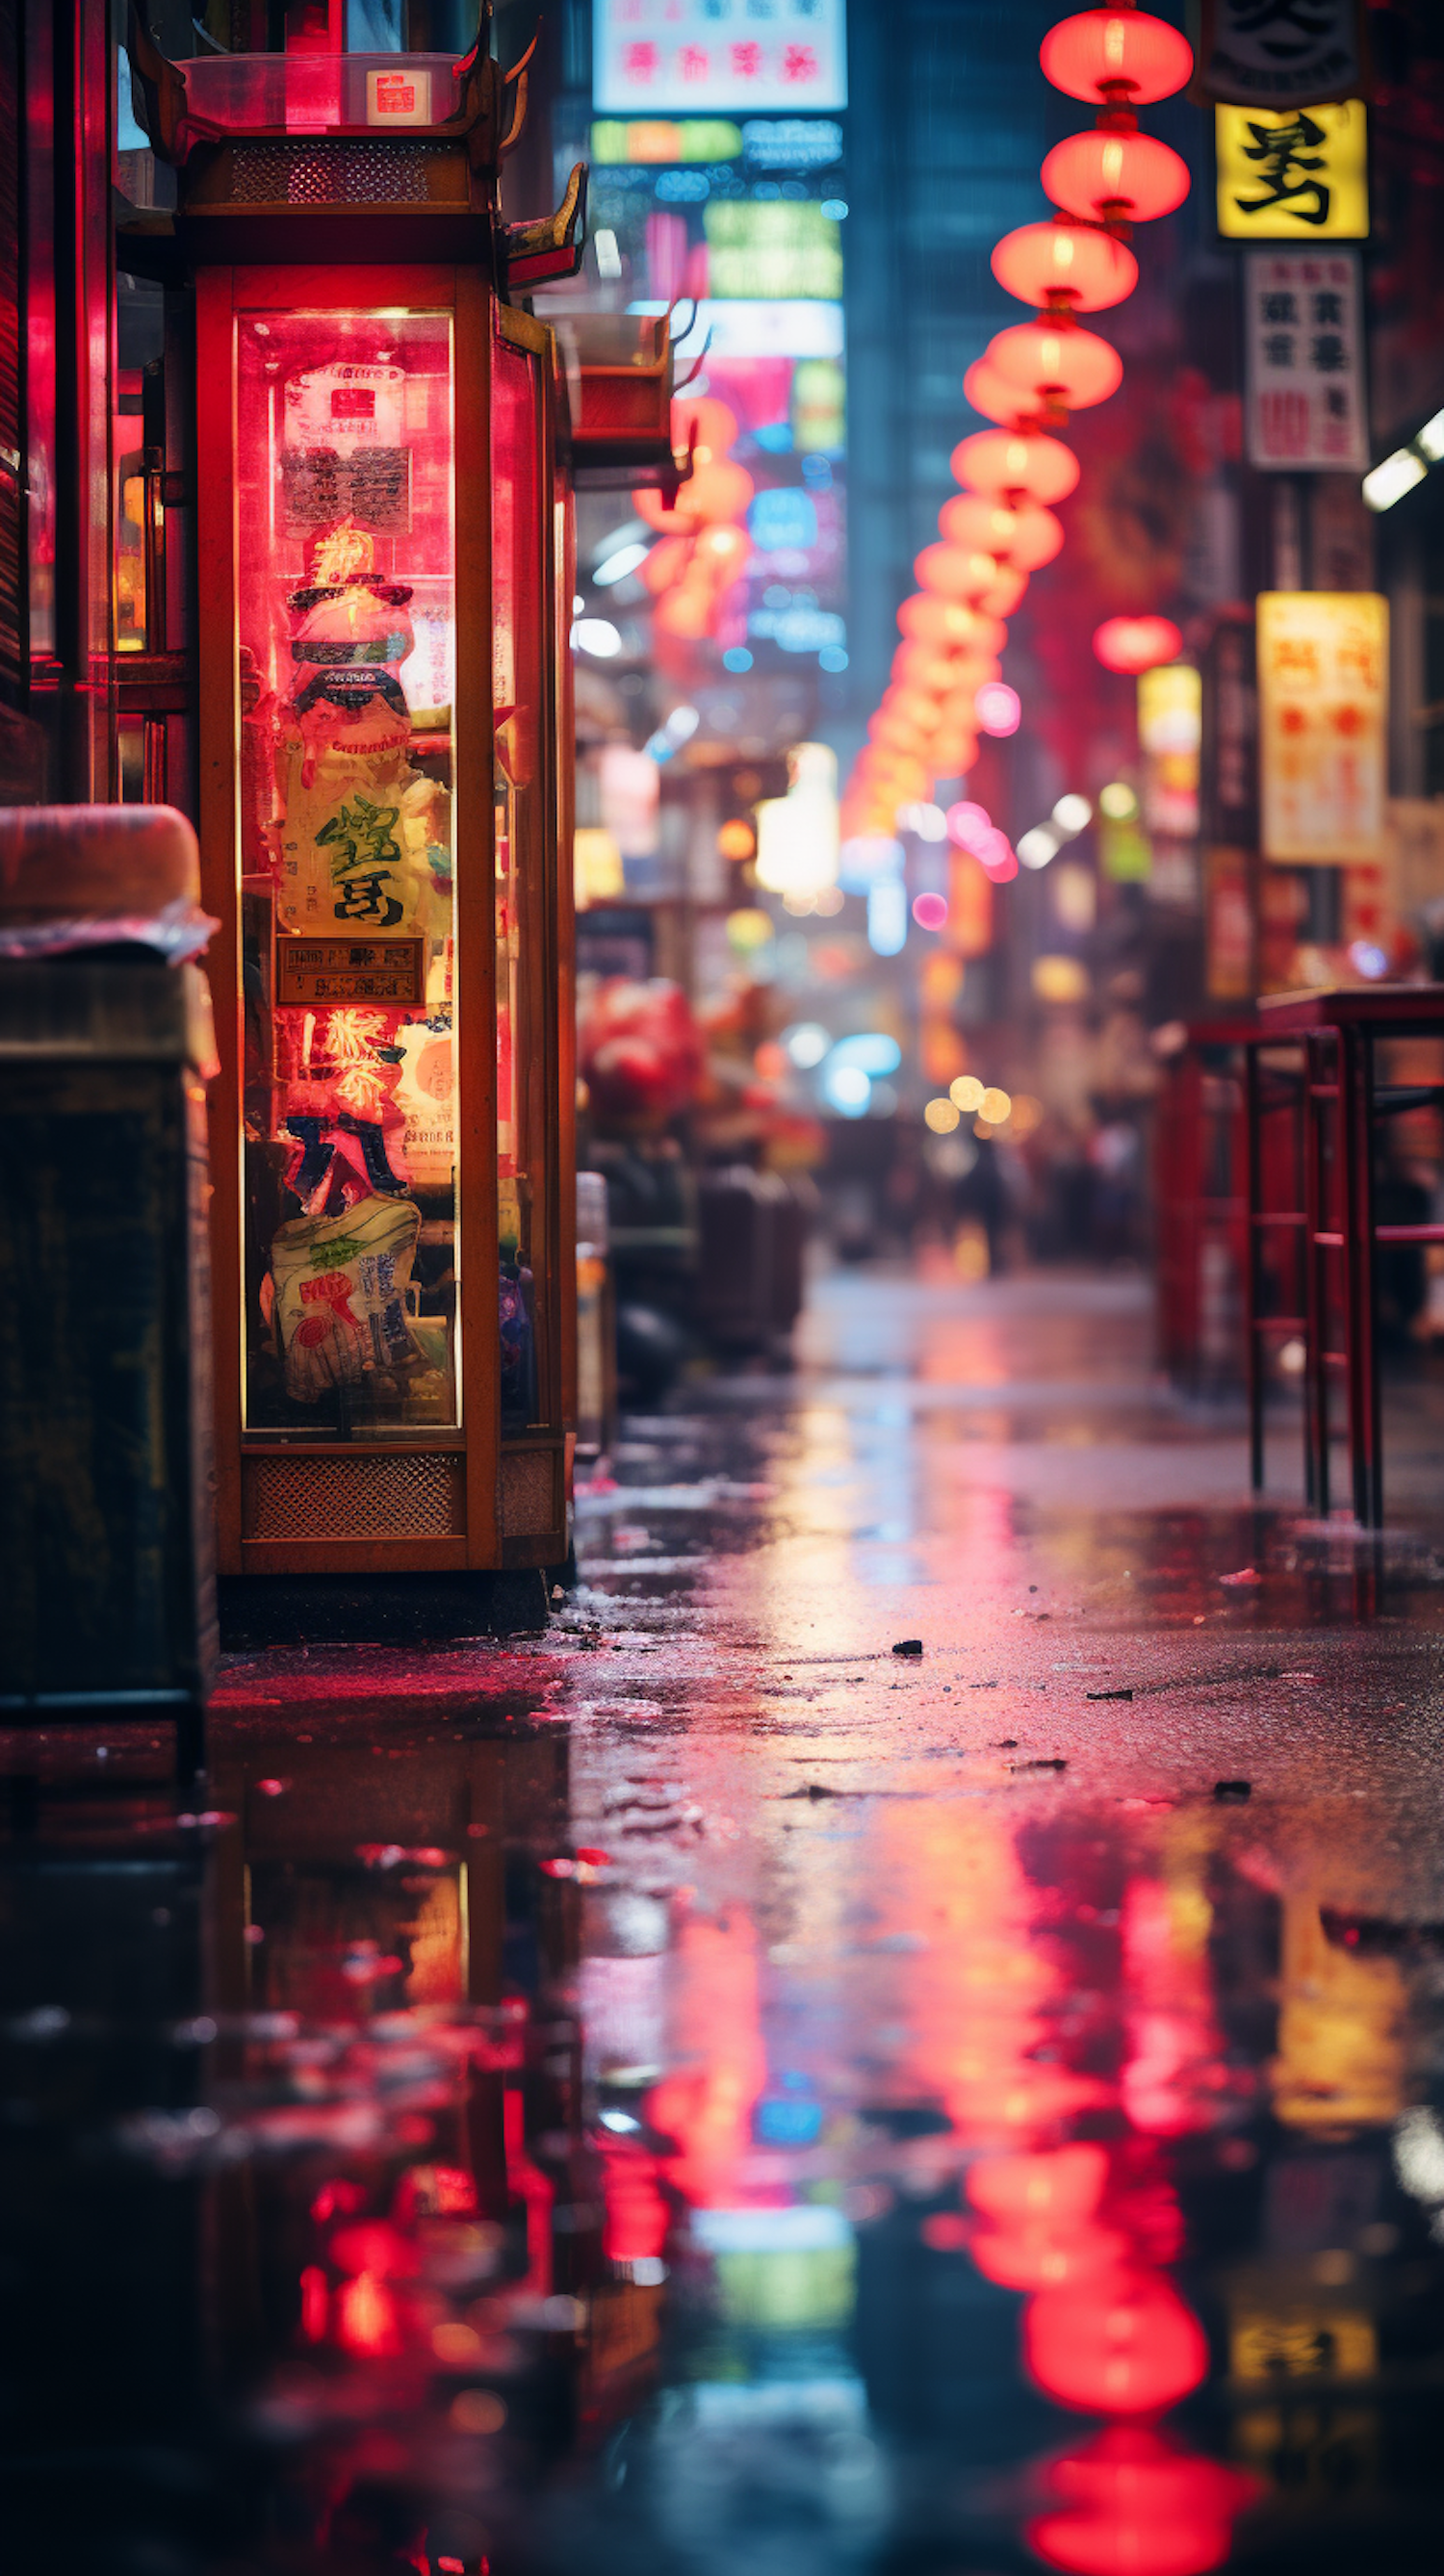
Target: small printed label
348	970
398	97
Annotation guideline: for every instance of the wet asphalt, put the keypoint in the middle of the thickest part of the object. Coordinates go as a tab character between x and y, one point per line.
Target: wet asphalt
903	2034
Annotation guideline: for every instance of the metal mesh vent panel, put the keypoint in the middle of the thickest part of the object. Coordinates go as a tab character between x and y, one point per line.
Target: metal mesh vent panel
349	174
321	1498
526	1494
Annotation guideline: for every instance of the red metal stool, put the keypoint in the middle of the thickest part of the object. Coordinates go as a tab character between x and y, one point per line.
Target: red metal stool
1334	1101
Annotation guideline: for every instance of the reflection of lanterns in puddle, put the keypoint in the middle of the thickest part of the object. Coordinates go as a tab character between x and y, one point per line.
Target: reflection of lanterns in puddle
1042	2232
1123	2344
1133	2505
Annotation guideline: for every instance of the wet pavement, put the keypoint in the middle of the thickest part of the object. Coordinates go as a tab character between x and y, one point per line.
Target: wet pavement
902	2036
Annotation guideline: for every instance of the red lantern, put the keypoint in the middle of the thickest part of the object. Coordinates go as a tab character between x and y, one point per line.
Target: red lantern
1026	538
701	417
918	666
1057	364
1065	266
1114	176
1122	2345
955	572
1116	56
926	619
667	563
998	399
1136	643
718	490
1016	465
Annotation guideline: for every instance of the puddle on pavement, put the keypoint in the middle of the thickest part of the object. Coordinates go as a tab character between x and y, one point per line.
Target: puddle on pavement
652	2101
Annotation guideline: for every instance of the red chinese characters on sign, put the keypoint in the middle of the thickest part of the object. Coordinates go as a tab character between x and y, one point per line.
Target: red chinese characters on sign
1305	361
1322	664
689	55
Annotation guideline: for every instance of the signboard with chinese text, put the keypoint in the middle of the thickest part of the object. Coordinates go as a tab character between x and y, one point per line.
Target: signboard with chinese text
1279	53
692	57
1299	176
348	970
1305	361
1170	729
1323	702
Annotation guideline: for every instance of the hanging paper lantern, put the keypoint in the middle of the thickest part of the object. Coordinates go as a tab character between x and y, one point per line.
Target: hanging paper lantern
666	564
917	707
1136	643
1065	265
1016	465
926	619
702	419
1026	538
997	398
719	490
722	553
1123	2345
1114	176
920	666
1057	365
958	572
1116	56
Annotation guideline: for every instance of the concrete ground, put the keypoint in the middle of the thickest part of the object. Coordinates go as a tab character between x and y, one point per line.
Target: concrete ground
902	2035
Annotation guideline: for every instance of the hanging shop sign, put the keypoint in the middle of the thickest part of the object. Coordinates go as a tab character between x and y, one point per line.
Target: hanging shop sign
693	57
1280	53
1299	175
1170	730
1323	705
1305	340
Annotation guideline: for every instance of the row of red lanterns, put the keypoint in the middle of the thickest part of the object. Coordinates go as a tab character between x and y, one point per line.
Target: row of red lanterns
705	546
1029	379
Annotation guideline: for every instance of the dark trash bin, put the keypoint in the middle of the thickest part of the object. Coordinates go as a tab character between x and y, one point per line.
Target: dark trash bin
105	1407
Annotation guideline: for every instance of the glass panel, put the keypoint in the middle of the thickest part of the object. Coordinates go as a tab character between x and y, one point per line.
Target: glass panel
517	686
347	609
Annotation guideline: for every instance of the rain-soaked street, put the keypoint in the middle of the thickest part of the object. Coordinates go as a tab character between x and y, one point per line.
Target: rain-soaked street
898	2036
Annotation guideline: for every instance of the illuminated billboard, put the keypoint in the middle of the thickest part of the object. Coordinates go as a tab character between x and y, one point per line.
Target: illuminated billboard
692	57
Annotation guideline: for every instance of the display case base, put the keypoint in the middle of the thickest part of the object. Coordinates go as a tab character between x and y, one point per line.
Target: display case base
379	1609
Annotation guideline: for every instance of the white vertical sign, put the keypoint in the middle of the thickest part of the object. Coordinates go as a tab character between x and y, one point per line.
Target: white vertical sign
1305	361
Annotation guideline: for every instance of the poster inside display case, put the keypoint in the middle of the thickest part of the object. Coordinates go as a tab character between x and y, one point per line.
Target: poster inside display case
346	640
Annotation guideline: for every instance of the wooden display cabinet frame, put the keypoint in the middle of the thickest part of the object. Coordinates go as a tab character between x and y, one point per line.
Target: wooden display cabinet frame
506	1500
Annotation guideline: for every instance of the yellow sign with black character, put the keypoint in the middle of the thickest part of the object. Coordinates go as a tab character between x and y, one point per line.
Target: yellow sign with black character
1299	174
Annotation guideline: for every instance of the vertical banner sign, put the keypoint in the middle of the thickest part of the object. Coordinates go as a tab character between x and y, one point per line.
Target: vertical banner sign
1322	680
1305	339
692	57
1302	176
1280	53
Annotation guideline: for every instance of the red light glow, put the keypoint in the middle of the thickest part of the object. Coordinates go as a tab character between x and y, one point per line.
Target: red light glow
1026	537
1133	644
1065	265
1015	465
1112	176
930	911
1135	2505
1122	2345
1104	55
1056	365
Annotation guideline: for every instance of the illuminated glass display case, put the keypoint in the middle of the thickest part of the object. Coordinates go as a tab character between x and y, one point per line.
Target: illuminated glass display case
383	540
